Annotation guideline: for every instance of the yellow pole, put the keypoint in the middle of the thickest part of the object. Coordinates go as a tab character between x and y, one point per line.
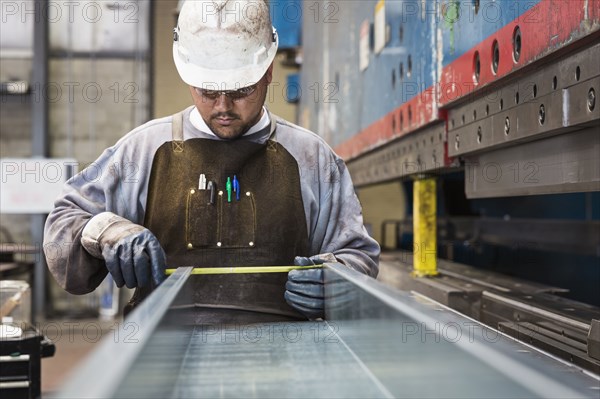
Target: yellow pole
424	227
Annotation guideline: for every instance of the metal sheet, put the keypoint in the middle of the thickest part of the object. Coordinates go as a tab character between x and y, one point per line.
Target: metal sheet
418	348
255	361
101	374
377	342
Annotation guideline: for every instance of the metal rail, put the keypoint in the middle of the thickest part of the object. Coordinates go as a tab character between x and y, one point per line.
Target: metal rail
101	374
376	342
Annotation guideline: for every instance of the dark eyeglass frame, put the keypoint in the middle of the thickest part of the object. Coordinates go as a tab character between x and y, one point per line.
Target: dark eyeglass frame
231	94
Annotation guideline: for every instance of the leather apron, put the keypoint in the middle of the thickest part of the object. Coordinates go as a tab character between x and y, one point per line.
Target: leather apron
266	226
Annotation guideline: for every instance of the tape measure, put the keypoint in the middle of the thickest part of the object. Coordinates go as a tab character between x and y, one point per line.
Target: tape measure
246	269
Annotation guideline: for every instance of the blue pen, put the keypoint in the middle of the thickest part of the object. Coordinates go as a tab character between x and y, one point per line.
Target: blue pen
236	187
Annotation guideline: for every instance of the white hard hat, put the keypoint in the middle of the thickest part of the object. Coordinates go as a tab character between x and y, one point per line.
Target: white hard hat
224	44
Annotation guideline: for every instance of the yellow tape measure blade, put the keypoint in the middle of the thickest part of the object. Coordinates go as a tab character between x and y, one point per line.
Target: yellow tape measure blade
245	269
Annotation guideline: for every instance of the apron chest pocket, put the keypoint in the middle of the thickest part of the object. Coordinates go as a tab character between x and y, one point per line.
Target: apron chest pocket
237	221
202	224
222	224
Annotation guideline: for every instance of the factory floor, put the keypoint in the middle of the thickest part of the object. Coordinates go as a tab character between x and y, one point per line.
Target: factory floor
74	340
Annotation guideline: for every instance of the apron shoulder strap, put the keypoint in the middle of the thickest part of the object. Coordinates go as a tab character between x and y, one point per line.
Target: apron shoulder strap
272	142
177	132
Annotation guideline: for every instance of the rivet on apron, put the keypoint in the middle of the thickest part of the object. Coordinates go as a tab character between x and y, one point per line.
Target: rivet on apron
247	193
220	192
251	243
192	191
190	246
219	244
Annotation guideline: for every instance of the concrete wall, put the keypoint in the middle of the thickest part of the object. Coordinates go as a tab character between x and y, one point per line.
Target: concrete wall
110	99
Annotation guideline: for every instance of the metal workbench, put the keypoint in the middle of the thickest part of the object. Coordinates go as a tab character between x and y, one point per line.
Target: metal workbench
376	342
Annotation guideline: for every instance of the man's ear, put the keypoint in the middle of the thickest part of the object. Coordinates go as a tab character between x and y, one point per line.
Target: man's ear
269	74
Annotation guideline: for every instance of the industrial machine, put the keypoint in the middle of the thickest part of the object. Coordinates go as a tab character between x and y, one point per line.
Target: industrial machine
486	111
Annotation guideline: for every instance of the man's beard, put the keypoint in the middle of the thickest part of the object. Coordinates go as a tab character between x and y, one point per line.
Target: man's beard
232	131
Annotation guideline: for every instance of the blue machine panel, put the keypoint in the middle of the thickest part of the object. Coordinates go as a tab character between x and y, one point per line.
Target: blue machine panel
286	16
338	99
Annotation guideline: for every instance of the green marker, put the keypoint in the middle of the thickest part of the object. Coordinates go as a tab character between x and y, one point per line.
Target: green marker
228	188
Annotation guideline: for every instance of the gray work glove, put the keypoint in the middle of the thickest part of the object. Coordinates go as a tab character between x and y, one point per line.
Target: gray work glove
305	289
132	253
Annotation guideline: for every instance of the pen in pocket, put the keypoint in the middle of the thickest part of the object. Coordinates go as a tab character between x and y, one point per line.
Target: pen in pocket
236	187
202	182
213	188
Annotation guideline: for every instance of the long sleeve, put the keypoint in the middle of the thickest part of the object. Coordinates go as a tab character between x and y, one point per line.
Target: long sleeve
117	182
83	196
333	212
339	227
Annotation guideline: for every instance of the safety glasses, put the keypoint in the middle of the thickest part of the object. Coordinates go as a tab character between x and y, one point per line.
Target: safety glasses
232	94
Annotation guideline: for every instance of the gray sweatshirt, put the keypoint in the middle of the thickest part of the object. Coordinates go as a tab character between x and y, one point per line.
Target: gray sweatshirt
118	182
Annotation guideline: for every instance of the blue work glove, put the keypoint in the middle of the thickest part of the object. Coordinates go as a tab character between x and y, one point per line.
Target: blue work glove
305	289
132	253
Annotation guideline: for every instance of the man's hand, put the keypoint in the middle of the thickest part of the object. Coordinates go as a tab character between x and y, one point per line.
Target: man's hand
132	253
305	290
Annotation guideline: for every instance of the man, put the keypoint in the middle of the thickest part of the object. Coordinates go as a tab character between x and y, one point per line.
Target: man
222	183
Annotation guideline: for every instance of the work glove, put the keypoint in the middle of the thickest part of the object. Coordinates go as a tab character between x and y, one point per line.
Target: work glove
305	289
132	253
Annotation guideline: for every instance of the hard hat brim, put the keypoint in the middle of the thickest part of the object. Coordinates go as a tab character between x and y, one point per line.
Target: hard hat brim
223	79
